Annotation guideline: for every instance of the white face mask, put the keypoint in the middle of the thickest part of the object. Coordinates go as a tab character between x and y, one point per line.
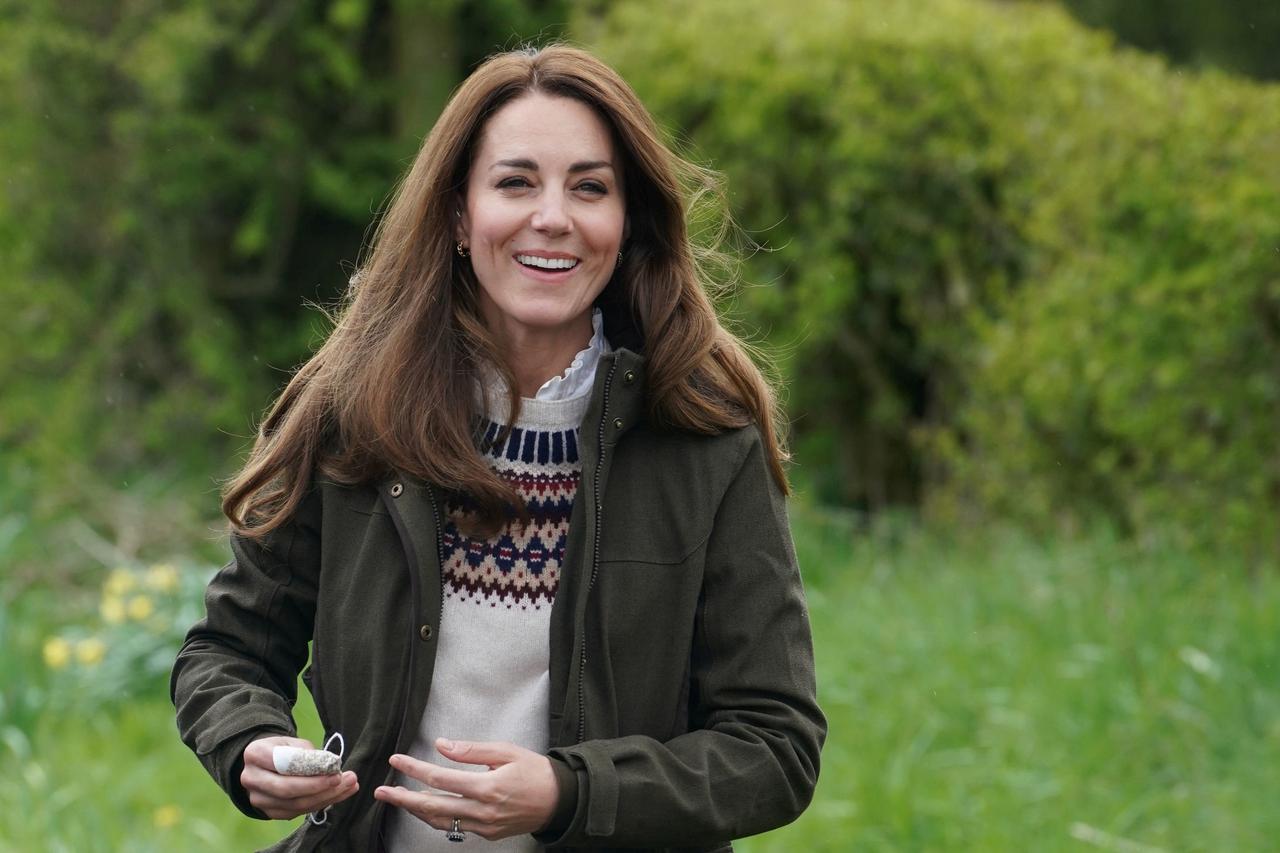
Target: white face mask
295	761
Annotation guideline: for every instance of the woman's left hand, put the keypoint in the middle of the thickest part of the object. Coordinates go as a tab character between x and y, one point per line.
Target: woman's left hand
515	796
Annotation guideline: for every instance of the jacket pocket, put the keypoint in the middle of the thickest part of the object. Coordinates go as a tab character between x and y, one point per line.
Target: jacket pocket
653	546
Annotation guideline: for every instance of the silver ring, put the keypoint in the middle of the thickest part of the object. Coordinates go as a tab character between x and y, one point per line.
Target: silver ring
456	833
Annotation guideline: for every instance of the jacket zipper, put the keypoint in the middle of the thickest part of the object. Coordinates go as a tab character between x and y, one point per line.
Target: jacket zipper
415	618
595	550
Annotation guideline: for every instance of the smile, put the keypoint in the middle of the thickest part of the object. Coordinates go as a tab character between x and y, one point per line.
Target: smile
547	263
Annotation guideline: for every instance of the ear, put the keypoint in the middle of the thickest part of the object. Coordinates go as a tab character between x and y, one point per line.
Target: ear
461	227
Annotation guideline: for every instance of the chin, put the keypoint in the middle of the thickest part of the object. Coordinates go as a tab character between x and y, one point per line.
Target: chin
545	316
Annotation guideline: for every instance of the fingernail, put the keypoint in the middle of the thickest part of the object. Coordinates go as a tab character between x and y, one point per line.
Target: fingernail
445	743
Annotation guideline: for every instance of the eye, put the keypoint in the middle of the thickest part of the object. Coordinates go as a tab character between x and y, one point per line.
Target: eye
515	182
593	187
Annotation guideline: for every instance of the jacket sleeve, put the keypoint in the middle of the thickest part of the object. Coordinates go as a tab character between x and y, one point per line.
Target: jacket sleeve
235	678
750	760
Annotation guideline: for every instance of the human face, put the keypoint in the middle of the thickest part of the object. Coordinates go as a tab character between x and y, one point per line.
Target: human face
544	216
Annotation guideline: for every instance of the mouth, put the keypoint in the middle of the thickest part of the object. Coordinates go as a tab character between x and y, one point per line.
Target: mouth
548	263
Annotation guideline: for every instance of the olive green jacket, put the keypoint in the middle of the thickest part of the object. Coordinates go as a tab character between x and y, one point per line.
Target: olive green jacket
682	707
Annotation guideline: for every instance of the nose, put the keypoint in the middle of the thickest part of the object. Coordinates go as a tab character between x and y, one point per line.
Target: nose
551	216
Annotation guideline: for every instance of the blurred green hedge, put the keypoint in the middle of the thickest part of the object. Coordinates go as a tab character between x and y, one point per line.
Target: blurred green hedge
1009	268
178	180
1013	268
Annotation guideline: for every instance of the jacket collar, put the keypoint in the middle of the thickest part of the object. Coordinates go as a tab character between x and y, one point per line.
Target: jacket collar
617	399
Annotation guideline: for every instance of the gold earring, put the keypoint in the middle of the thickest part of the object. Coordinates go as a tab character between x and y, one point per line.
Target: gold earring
463	251
619	256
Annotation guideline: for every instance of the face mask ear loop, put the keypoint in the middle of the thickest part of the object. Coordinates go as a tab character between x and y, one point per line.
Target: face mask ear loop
319	818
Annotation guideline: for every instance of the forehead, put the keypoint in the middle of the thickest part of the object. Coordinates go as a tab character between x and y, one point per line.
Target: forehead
547	127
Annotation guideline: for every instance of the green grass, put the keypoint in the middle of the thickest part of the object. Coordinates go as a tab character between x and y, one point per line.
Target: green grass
1004	695
992	694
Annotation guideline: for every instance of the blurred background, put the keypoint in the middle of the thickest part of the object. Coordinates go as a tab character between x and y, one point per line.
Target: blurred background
1019	267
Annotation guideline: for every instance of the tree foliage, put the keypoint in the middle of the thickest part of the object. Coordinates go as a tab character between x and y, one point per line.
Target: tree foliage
1236	35
180	179
1013	267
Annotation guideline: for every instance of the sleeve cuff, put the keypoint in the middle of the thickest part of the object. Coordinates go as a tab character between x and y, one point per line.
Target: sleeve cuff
233	752
566	801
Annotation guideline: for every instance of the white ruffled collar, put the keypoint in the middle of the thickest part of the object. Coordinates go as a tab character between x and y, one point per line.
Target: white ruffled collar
563	396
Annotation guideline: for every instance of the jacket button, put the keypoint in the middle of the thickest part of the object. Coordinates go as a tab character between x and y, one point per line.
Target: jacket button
397	490
425	632
629	377
617	423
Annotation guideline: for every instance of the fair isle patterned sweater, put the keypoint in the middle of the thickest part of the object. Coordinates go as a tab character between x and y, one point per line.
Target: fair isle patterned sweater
520	567
491	679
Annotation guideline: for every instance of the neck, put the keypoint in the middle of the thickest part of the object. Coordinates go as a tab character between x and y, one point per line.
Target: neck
537	356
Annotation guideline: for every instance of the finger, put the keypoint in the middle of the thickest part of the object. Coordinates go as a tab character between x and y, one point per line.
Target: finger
413	767
347	789
467	783
438	810
344	791
445	824
299	805
488	753
289	787
286	787
259	752
293	808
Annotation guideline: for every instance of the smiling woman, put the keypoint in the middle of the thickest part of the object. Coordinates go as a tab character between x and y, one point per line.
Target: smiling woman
527	506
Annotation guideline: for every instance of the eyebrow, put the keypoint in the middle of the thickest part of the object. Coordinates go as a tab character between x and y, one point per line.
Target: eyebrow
529	165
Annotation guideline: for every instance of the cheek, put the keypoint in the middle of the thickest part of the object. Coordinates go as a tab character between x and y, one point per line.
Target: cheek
492	227
487	234
609	233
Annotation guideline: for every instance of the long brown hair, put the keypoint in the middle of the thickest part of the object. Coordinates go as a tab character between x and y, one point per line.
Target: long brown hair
392	387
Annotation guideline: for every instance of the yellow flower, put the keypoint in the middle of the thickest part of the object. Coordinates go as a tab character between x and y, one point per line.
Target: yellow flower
162	577
90	651
140	607
57	652
166	816
120	581
112	610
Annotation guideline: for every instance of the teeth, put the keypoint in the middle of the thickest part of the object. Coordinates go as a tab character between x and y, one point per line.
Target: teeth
547	263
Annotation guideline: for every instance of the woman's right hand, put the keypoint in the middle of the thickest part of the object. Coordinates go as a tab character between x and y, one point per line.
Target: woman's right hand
284	797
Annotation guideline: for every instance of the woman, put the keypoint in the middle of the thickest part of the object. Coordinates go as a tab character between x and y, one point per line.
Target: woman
526	504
